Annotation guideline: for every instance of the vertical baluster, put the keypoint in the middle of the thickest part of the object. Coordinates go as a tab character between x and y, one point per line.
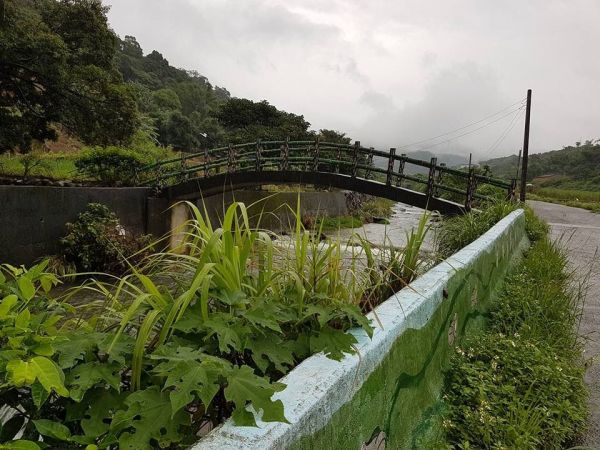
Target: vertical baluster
440	176
355	159
339	159
390	168
285	155
431	179
258	161
230	158
512	188
402	162
316	156
206	161
369	163
470	189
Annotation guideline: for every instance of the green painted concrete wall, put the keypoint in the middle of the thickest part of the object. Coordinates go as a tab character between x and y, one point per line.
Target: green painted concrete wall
401	397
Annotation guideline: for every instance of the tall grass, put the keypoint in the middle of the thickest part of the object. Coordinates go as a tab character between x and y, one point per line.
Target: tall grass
459	231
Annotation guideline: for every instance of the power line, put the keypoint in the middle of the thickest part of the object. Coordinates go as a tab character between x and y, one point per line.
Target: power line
463	127
472	131
507	130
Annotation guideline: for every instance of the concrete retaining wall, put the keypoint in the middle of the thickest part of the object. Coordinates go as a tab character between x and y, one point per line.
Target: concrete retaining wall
389	396
32	218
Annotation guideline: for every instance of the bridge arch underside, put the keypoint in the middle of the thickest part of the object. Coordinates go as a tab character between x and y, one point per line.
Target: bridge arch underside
198	188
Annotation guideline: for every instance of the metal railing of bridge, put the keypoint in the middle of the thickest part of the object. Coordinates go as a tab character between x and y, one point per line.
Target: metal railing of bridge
328	157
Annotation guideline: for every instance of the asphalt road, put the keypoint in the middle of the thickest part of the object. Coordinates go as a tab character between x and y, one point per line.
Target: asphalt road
578	231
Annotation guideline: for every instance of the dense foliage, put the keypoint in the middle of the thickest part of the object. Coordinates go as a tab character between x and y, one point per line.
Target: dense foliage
57	66
187	338
96	242
188	113
520	384
579	164
110	165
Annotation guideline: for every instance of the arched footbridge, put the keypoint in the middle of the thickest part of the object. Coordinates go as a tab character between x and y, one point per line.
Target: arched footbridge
324	164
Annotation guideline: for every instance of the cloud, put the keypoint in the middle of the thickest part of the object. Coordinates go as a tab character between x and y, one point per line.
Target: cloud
388	71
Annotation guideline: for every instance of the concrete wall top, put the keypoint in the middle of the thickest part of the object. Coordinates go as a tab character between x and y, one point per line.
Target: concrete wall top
319	386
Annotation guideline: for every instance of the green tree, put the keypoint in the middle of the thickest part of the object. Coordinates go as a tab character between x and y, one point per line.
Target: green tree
247	121
56	66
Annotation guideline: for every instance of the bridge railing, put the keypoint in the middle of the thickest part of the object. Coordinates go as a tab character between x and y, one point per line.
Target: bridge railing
353	160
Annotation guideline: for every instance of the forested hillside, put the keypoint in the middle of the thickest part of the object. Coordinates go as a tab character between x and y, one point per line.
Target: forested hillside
105	91
575	166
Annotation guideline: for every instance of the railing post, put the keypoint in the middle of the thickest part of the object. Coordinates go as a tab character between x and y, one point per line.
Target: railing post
401	169
316	156
285	155
470	189
390	168
431	179
512	189
339	159
369	163
258	165
438	181
355	158
230	158
184	173
206	161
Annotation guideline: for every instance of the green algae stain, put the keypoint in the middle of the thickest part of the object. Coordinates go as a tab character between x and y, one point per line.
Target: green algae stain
401	396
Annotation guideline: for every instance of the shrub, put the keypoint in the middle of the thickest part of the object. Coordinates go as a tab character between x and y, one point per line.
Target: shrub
111	165
96	242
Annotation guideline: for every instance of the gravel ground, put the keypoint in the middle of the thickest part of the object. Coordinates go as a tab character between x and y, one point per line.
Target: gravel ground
578	230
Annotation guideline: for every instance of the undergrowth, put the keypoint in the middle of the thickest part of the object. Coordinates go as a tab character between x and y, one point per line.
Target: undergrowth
520	383
186	339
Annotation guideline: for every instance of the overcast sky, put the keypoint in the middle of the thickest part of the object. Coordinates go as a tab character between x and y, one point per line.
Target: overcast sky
390	73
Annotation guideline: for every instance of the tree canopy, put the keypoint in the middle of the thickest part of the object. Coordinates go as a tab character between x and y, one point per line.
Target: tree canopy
61	64
57	67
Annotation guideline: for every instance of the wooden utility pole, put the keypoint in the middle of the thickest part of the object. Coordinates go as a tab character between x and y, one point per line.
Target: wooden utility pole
525	147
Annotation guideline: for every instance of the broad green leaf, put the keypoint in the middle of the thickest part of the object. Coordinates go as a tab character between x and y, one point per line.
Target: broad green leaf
43	350
26	287
52	429
39	394
22	319
148	417
271	348
20	373
49	375
334	343
188	378
74	347
21	444
96	410
244	387
7	304
226	334
264	315
85	376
